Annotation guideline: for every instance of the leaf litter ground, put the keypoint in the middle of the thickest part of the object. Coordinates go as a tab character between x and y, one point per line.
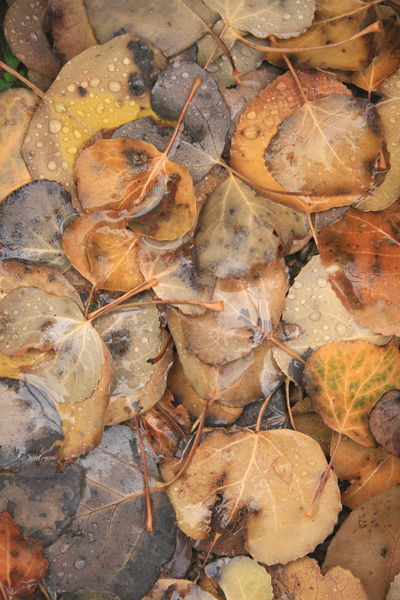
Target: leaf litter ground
199	303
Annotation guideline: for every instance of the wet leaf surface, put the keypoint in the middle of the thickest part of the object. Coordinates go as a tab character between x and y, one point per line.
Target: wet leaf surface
384	422
368	543
250	489
346	379
106	547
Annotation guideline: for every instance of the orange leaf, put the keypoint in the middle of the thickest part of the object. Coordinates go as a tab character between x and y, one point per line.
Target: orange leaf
22	564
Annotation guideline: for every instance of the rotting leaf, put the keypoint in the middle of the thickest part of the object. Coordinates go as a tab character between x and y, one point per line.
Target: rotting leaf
24	29
364	251
70	28
112	551
42	498
275	415
94	91
177	589
282	101
384	422
29	423
22	564
283	19
77	379
32	220
134	336
104	251
207	118
333	22
346	379
271	476
370	471
16	109
368	543
171	27
314	316
302	580
241	578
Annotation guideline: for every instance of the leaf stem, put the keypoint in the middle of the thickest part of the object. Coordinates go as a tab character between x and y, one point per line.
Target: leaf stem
188	100
140	288
261	412
23	79
310	510
149	510
287	399
215	306
283	347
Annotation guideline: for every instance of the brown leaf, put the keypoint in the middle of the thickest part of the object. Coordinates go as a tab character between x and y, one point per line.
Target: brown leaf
370	471
70	28
264	481
384	422
364	249
22	564
368	543
16	109
180	589
302	580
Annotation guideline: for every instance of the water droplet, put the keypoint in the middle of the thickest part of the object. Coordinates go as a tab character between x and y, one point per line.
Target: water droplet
34	37
126	61
77	134
72	150
252	132
91	537
185	75
94	82
64	548
80	563
251	115
283	469
298	285
287	17
340	329
281	86
71	87
114	86
52	165
111	67
100	108
321	282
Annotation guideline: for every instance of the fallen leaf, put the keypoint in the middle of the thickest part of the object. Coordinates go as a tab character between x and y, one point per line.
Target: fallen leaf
29	423
16	109
22	564
364	250
113	551
333	23
370	471
42	498
384	422
104	251
265	18
77	379
206	120
277	115
171	27
96	90
346	379
367	543
275	415
312	424
241	578
133	337
314	316
260	485
388	110
32	220
85	594
70	28
179	589
302	580
394	590
24	29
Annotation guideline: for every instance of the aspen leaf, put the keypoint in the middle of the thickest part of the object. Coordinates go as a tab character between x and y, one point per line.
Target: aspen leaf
241	578
179	589
384	422
346	379
259	480
70	28
368	543
394	590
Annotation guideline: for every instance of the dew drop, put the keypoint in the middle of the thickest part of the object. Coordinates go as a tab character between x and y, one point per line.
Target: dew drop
283	469
80	563
64	548
94	82
315	316
252	132
114	86
185	75
71	87
111	67
340	329
126	61
251	115
281	86
55	126
287	17
52	165
321	282
72	150
91	537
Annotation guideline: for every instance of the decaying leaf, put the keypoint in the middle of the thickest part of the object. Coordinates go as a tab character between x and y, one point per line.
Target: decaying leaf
113	552
177	589
98	89
384	422
265	481
394	590
333	22
306	128
364	250
283	19
70	28
302	580
368	543
370	471
16	109
42	498
275	415
389	113
24	29
134	336
104	251
32	220
207	118
77	379
314	316
171	27
29	423
346	379
22	564
241	578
